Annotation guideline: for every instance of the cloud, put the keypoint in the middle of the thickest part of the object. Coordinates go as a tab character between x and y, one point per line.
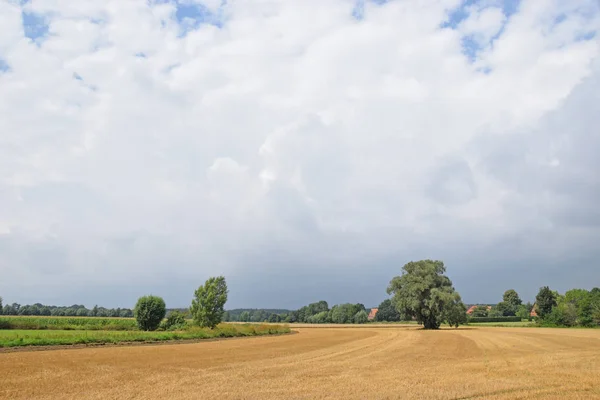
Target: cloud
148	145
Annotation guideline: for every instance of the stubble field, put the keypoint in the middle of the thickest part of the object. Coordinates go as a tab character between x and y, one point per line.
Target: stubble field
325	362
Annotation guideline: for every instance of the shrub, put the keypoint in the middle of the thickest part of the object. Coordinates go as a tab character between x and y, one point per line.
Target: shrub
495	319
149	312
175	321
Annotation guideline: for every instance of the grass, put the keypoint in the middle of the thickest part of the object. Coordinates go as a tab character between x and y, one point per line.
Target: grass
366	362
15	338
520	324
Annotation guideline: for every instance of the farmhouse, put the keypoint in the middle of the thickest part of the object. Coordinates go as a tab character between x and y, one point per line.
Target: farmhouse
373	313
533	313
473	308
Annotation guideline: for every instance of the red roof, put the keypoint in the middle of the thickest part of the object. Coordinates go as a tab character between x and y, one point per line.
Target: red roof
533	313
373	313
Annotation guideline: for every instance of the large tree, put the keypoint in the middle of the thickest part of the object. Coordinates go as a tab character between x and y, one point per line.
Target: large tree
424	292
209	301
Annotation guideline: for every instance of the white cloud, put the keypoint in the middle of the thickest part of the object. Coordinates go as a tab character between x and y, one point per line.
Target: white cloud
293	128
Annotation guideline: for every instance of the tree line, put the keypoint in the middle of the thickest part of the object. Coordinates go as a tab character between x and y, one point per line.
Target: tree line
577	307
422	293
76	310
256	315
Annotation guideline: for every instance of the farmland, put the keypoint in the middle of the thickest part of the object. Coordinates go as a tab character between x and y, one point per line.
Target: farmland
324	362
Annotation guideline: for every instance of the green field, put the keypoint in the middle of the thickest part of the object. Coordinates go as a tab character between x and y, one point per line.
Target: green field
68	323
15	338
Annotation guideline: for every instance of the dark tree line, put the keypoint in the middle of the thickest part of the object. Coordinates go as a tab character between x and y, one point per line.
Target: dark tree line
76	310
256	315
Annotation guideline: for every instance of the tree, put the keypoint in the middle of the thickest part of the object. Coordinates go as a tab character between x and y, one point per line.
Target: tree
361	317
320	318
545	301
149	311
480	311
245	316
1	305
495	312
510	303
82	312
581	299
387	312
423	292
524	311
455	313
209	302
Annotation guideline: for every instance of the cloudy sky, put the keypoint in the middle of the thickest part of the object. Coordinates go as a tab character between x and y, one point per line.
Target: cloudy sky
304	149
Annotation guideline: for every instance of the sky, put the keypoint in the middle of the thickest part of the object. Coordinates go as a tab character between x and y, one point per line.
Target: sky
306	150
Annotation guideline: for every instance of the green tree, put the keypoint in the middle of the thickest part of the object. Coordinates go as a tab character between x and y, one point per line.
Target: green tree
563	314
524	311
387	312
581	299
209	302
361	317
149	311
320	318
455	313
82	312
245	316
226	316
1	308
510	303
423	292
495	312
481	311
545	301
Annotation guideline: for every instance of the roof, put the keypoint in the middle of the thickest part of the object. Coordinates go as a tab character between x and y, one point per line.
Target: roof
472	309
533	313
373	313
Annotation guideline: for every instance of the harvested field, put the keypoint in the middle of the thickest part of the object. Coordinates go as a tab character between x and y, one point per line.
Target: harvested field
325	362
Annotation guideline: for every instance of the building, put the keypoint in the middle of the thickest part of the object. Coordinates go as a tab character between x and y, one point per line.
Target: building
533	313
472	309
373	313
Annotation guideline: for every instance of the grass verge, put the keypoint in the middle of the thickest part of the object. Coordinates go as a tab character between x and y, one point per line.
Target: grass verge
16	338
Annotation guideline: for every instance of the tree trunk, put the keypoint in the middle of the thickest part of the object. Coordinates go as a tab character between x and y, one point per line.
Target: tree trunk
431	323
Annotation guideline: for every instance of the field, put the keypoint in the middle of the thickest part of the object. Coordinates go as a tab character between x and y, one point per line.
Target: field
367	362
15	338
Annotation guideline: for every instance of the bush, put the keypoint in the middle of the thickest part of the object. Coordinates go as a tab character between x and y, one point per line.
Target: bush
149	312
175	321
494	319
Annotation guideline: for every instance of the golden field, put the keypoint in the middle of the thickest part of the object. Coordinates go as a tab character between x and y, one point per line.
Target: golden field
367	362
